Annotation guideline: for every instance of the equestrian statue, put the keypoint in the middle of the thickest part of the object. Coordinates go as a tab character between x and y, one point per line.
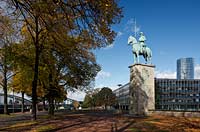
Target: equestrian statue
140	48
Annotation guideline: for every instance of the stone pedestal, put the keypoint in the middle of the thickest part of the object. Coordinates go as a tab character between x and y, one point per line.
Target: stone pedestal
142	91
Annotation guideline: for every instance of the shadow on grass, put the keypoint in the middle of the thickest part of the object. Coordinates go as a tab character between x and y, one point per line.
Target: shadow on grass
20	125
123	128
46	128
81	123
6	116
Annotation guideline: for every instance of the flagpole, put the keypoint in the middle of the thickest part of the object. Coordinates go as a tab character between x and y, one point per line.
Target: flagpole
135	27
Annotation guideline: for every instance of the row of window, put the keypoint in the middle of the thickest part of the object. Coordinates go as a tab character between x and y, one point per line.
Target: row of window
179	95
179	107
180	100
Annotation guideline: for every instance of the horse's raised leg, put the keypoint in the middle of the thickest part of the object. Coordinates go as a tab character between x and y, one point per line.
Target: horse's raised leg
149	60
149	56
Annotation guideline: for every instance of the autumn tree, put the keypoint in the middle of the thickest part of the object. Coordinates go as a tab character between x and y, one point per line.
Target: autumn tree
87	101
90	101
106	97
76	104
91	98
82	24
50	76
21	82
23	56
6	40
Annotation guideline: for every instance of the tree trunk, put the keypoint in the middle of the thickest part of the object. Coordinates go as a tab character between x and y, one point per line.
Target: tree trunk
22	110
55	105
5	90
105	107
37	108
51	107
34	85
43	101
35	79
5	100
51	96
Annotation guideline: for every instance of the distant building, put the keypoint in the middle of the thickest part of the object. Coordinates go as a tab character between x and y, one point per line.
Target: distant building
176	94
122	95
185	68
13	98
170	94
14	103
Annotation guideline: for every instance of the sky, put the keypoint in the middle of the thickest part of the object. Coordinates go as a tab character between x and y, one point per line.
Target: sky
172	29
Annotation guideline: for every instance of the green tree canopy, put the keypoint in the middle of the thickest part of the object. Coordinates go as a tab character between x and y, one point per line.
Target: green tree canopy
6	64
106	97
70	28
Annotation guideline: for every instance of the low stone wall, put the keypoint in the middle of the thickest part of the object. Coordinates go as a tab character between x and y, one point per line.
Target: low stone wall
177	113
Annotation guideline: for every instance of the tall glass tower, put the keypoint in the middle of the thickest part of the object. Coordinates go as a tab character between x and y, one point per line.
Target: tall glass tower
185	68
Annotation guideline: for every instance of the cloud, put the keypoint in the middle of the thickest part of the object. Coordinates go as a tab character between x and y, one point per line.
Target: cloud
100	86
130	26
169	74
103	75
119	34
113	87
197	71
109	47
165	74
78	95
130	21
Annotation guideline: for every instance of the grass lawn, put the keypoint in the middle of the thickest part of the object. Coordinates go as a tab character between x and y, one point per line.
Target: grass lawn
97	122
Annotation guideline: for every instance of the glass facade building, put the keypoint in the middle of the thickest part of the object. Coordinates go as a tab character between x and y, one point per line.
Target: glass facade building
177	94
170	94
185	68
122	95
